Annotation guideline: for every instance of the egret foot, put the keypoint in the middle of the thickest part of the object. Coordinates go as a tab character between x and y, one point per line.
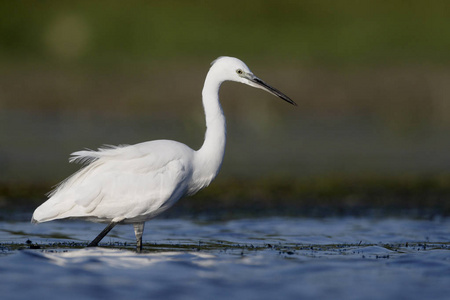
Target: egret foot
102	234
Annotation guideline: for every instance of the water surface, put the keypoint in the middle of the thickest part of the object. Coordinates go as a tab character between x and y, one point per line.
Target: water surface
262	258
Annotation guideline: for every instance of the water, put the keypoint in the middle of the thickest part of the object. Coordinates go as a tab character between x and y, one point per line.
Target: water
261	258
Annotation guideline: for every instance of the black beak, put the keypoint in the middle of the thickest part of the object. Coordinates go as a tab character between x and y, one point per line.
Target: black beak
261	84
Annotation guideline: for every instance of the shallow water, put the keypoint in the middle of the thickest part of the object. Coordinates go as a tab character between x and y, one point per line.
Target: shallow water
263	258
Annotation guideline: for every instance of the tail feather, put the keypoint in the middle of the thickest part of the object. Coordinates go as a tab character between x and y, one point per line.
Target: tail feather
38	217
50	210
54	208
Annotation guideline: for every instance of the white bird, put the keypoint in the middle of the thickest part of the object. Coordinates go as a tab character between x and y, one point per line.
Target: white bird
133	184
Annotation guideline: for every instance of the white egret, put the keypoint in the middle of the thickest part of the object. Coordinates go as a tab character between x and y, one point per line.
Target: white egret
133	184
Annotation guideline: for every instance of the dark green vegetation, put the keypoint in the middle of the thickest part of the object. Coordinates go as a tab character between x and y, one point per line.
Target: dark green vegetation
337	32
318	197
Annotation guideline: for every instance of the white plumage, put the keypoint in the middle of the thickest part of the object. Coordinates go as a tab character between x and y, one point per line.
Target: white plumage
132	184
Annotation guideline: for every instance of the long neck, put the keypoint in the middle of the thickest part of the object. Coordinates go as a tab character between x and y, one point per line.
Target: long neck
211	153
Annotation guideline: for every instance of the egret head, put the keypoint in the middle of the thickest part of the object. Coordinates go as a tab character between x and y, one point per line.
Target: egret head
234	69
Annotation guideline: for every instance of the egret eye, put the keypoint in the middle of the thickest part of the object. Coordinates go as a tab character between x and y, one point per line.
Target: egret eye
239	71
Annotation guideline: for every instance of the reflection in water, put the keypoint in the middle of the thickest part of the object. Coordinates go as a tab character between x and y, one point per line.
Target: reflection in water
120	258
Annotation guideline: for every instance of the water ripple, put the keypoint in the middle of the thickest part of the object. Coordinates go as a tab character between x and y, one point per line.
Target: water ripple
273	258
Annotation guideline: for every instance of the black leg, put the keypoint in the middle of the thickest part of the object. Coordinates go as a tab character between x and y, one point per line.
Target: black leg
102	234
139	245
138	230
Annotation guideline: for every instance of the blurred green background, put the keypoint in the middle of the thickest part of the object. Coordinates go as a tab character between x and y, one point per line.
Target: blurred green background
372	80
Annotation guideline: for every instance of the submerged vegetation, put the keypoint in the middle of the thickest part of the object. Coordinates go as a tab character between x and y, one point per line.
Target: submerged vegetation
282	249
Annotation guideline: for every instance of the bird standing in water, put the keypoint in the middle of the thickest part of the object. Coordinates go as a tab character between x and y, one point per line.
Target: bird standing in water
133	184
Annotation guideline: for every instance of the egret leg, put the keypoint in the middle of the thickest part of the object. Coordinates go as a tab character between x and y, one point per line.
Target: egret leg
102	234
138	230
